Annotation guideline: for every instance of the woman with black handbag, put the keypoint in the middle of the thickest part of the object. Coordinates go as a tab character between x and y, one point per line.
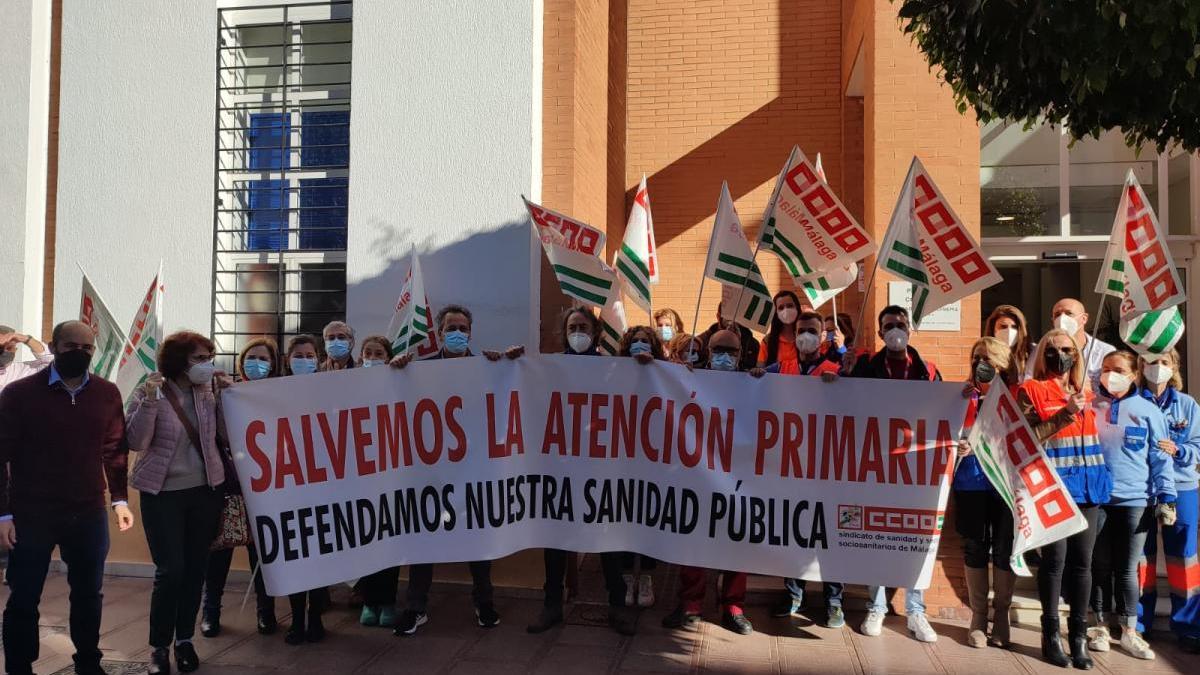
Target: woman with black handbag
173	421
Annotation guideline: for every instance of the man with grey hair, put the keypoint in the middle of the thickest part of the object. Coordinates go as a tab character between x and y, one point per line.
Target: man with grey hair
339	346
12	370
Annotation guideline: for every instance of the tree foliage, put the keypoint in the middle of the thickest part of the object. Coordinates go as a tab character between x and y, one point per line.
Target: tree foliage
1091	64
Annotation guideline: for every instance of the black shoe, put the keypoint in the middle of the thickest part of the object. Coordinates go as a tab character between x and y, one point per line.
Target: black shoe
487	617
295	632
210	624
680	619
267	624
185	657
1052	650
737	623
549	618
160	662
316	629
623	620
409	622
787	606
1077	639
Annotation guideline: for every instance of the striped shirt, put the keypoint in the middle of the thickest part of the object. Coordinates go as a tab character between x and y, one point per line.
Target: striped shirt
1071	441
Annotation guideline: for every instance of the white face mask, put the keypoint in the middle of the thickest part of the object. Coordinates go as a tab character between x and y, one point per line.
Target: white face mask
201	373
1067	324
1009	335
1158	373
371	363
807	343
787	315
579	342
896	339
1116	383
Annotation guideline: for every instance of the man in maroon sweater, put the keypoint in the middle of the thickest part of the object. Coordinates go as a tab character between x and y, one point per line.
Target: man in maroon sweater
62	433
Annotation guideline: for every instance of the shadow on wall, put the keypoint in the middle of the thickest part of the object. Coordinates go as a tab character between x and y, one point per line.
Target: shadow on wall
488	272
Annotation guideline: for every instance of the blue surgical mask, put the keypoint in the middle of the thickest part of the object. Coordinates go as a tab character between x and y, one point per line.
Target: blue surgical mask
338	348
639	347
722	362
693	357
303	365
256	369
666	333
370	363
456	341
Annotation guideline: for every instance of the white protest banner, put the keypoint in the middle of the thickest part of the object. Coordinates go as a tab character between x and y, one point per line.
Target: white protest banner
573	249
1016	465
928	244
109	338
1138	267
807	226
613	324
349	472
138	359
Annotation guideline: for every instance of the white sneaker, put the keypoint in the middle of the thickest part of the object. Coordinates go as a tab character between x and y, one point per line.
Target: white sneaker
919	626
1136	646
630	590
645	591
1098	638
873	624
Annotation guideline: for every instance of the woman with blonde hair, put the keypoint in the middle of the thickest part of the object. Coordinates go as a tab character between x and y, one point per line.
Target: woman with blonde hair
982	518
1162	385
1058	408
1007	324
668	324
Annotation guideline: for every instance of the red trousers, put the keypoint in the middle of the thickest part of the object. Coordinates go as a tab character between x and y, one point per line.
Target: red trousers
691	589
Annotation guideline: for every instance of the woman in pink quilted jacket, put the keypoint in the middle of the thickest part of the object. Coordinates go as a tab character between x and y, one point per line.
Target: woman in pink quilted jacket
173	424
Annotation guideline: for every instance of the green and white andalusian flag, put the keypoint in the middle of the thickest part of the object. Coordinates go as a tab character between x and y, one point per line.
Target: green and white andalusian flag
138	358
412	322
928	244
1138	267
109	337
1154	332
806	225
731	262
637	260
612	325
573	249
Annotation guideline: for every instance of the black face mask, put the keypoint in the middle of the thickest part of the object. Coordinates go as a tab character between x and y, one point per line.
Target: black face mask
72	364
1059	363
6	357
984	372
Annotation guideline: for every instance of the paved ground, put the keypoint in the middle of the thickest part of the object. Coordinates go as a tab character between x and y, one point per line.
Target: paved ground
451	643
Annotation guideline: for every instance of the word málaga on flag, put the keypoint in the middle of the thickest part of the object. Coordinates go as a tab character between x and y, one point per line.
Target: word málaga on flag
411	323
928	244
1137	264
138	359
1015	464
109	338
637	261
1154	332
573	249
808	227
731	263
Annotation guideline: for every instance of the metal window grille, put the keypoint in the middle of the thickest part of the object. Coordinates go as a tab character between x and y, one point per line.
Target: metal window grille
282	171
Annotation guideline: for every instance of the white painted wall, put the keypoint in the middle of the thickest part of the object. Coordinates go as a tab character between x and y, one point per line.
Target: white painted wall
24	72
135	180
442	147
